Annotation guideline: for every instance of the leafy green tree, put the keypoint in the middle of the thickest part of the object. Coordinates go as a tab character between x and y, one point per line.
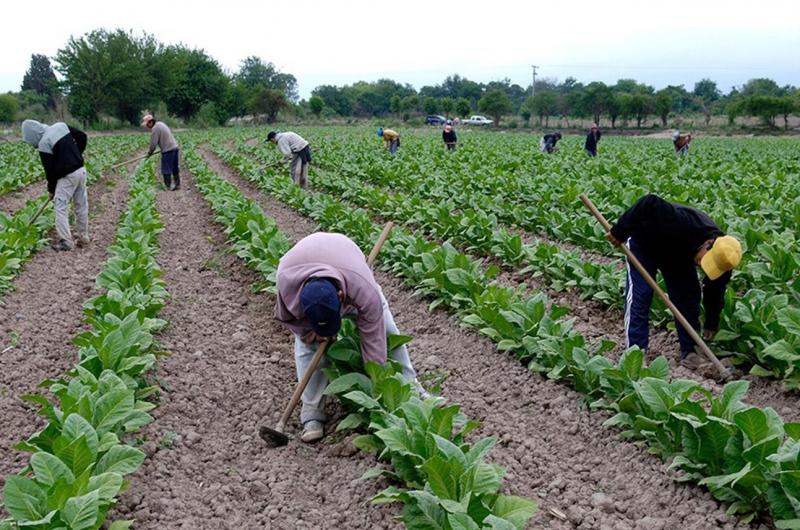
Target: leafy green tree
544	104
8	108
463	107
111	72
662	105
256	74
595	100
614	107
707	90
41	79
395	104
410	103
495	103
268	102
197	79
637	105
334	98
430	105
761	87
785	106
316	104
448	104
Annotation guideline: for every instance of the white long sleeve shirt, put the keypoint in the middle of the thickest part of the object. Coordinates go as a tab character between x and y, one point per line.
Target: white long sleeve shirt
290	143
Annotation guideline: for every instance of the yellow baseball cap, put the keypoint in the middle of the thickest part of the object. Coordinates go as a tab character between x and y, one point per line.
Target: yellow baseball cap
723	256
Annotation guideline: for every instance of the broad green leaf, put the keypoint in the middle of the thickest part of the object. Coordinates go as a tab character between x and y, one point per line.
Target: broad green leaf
49	469
24	499
362	399
440	477
516	510
461	521
107	485
81	513
112	408
348	381
122	459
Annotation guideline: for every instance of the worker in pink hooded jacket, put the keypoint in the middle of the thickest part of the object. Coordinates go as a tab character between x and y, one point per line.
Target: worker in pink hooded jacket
323	278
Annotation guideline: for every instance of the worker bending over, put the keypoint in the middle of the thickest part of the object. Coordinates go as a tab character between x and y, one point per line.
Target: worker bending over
296	151
549	141
449	137
681	143
391	139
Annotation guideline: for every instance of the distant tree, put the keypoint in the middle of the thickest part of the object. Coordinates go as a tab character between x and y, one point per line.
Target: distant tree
111	72
463	107
614	107
707	90
335	98
268	101
785	106
41	79
255	74
448	104
395	104
525	111
639	106
761	87
495	103
316	104
430	105
662	105
410	103
198	79
544	104
595	100
8	108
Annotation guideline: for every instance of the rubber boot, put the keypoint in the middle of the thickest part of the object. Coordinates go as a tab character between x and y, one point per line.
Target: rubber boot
167	181
177	182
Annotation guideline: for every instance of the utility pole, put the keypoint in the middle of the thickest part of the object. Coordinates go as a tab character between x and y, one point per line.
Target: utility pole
533	84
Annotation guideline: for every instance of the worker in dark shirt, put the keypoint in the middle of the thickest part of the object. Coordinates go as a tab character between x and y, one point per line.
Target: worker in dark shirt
591	140
61	150
549	141
675	239
449	137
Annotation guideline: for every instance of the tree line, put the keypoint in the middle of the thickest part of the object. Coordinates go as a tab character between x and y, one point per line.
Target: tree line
120	74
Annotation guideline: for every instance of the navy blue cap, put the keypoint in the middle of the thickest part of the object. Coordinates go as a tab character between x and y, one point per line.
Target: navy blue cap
321	305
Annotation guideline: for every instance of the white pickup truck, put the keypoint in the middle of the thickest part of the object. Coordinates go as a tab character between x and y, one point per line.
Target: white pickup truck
478	120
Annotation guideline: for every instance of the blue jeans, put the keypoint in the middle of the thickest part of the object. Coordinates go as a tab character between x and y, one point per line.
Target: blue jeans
169	163
684	291
394	145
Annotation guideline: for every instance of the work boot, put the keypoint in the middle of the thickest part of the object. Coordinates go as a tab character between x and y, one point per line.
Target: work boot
312	431
167	181
177	183
692	361
62	244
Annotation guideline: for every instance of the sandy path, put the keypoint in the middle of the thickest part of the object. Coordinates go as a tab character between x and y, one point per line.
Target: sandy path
43	314
230	367
555	451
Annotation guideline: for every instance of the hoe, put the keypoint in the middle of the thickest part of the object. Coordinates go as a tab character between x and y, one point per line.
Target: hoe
276	437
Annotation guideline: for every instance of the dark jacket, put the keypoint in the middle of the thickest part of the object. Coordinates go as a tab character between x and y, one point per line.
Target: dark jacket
550	141
670	235
60	147
591	142
449	137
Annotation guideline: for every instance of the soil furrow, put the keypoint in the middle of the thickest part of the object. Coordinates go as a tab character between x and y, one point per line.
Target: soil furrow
43	314
555	451
13	201
230	368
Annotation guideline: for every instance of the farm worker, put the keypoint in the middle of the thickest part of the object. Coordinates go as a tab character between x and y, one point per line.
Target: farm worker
449	137
549	141
161	136
61	150
591	140
681	143
391	139
323	278
296	151
675	239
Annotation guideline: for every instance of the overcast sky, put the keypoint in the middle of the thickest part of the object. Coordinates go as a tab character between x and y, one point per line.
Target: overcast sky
421	42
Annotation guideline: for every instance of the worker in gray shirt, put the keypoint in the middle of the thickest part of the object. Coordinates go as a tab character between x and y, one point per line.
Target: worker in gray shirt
161	137
296	151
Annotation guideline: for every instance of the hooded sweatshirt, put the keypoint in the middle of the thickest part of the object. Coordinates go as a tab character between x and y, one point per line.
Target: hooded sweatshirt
289	143
336	257
60	147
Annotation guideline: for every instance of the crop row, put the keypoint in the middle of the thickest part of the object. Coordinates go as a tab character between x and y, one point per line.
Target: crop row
763	326
19	239
745	455
445	477
79	460
19	166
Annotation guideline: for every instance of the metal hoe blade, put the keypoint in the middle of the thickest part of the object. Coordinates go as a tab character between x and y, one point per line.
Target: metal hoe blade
272	437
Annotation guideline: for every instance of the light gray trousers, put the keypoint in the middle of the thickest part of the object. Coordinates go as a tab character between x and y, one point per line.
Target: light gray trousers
313	397
72	187
299	170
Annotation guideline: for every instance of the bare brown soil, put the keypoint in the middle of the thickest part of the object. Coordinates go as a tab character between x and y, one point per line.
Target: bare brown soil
10	202
40	318
554	449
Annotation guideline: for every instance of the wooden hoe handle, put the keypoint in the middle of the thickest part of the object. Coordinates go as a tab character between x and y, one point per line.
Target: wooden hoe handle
652	283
